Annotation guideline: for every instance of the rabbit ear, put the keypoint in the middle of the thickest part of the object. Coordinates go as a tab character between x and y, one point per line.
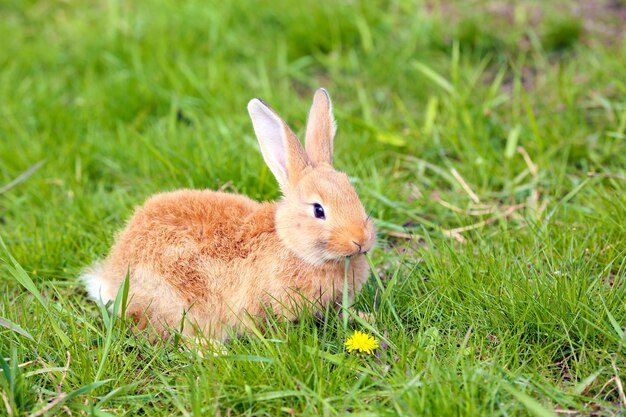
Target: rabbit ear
320	129
281	149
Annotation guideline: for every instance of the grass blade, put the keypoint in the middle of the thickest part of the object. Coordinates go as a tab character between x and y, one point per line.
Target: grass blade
22	177
122	294
20	275
614	323
511	141
435	78
345	302
582	386
532	405
16	328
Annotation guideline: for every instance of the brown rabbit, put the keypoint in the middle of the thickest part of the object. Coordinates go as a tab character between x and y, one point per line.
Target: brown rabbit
221	261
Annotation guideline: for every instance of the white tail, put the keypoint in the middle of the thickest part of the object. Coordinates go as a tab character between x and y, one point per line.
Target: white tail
94	284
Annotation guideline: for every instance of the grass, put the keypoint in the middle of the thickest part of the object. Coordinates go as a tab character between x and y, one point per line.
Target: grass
488	141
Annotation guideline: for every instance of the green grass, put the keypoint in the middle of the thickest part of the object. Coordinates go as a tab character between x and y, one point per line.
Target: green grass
521	313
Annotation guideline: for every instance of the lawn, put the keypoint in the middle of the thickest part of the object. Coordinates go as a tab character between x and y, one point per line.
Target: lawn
486	139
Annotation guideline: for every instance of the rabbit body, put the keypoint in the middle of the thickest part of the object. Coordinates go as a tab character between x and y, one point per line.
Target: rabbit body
215	256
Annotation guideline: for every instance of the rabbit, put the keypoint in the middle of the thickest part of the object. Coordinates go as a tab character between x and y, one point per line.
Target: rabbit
218	262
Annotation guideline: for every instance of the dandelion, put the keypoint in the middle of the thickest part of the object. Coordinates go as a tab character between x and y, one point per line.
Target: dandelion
361	342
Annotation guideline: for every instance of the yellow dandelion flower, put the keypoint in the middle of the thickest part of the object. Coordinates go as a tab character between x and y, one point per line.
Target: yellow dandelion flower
361	342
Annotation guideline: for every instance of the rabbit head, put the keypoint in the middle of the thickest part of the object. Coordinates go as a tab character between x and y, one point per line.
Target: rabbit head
320	217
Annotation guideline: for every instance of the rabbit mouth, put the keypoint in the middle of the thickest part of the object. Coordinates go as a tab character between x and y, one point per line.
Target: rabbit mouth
344	256
342	253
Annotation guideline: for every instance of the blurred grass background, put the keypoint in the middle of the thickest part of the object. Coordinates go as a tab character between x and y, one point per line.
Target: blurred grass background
487	139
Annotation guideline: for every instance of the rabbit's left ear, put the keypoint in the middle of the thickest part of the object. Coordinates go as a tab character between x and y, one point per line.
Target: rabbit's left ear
320	129
280	147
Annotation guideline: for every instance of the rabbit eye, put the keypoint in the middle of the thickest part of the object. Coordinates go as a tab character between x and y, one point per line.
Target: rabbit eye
318	211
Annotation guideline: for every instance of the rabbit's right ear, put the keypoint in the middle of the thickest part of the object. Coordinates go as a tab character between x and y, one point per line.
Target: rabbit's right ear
281	149
320	129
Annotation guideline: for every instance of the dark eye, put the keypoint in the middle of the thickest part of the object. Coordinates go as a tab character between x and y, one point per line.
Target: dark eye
318	210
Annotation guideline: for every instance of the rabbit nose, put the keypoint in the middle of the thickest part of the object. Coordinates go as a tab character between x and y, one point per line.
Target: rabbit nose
358	245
